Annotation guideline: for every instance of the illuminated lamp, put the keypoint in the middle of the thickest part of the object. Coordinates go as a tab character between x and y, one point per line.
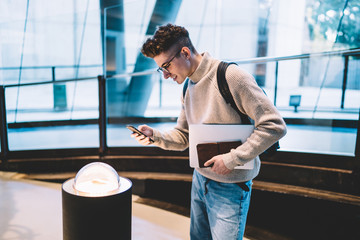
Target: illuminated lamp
96	204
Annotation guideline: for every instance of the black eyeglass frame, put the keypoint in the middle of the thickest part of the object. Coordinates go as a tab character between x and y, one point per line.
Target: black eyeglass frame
165	65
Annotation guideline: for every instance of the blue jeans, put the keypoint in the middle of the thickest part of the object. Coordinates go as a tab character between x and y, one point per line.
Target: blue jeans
218	210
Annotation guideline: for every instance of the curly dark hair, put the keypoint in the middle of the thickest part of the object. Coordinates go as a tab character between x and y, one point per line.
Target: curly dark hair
165	38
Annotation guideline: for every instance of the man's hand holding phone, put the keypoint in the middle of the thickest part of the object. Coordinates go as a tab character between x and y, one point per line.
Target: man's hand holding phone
143	134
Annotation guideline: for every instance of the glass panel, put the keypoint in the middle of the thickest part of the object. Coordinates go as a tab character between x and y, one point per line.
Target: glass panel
128	96
44	41
36	106
59	101
320	139
310	101
51	41
117	133
165	98
314	99
58	137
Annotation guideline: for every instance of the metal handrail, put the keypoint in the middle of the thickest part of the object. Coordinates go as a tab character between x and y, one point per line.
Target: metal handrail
49	82
136	74
57	66
53	74
299	56
143	73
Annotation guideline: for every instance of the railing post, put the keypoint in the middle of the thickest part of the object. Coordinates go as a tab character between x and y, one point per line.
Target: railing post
346	64
356	170
102	114
59	92
357	143
160	92
3	126
53	73
276	81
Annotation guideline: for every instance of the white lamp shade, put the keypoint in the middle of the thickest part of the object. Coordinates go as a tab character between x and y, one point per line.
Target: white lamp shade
96	179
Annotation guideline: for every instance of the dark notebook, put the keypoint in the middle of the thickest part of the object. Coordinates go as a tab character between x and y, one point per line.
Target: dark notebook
206	151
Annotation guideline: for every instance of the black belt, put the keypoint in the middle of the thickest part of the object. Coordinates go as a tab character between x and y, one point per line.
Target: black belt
243	186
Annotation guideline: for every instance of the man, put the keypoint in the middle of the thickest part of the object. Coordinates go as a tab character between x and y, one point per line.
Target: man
220	194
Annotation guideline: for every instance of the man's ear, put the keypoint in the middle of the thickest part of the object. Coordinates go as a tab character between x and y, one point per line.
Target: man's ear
187	52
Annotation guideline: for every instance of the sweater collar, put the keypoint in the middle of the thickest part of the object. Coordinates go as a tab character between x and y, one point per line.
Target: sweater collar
203	68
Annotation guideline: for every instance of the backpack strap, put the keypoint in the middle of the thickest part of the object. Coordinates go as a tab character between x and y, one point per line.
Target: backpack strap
185	87
225	91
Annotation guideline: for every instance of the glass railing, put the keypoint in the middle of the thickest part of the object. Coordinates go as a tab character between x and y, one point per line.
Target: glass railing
319	96
43	48
35	118
318	85
332	131
50	97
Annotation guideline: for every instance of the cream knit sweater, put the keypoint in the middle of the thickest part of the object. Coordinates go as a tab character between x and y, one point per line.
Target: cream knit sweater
203	104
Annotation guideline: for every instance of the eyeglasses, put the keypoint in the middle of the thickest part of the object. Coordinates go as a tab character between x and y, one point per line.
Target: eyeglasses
166	65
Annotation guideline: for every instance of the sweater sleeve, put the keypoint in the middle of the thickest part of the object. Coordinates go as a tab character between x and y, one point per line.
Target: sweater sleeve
251	100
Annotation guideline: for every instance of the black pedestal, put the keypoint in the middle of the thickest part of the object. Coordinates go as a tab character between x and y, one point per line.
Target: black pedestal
106	217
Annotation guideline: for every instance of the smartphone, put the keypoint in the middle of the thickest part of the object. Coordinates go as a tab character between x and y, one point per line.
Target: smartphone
135	130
